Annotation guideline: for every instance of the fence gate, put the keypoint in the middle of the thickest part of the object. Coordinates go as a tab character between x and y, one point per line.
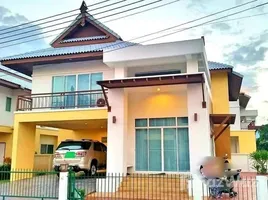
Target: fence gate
28	184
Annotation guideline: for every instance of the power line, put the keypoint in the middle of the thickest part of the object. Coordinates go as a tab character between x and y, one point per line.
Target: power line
149	9
187	28
184	29
54	20
50	17
104	22
36	34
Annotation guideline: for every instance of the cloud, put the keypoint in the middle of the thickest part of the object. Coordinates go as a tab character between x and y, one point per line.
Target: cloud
9	19
251	53
221	26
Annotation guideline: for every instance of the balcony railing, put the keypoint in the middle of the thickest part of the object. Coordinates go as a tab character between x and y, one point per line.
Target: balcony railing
62	100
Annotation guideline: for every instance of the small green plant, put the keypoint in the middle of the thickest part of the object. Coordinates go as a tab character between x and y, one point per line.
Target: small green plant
260	160
5	172
82	193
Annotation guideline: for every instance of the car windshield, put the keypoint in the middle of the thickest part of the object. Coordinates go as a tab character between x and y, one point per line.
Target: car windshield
74	145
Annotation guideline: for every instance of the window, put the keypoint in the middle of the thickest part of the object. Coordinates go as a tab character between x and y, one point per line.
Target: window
47	148
97	146
163	145
71	83
74	145
8	104
104	148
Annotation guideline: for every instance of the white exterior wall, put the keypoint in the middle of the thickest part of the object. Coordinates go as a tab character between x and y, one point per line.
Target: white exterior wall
235	109
42	74
199	131
7	118
117	132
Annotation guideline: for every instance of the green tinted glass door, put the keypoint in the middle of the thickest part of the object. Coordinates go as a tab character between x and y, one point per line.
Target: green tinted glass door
58	85
170	149
155	157
141	150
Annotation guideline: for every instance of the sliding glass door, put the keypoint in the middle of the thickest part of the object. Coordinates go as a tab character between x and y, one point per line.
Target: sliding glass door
162	144
72	83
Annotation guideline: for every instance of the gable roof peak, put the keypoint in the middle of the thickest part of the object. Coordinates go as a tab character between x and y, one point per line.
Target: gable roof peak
83	7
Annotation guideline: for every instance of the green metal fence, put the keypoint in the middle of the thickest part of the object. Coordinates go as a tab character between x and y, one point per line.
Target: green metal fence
29	184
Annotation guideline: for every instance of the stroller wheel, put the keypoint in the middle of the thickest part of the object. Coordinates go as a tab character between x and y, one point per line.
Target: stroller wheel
235	194
231	195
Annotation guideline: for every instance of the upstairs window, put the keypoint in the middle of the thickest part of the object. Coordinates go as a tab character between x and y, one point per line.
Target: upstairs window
8	104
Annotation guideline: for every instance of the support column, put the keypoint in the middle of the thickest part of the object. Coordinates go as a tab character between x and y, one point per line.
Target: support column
23	148
199	126
192	66
117	132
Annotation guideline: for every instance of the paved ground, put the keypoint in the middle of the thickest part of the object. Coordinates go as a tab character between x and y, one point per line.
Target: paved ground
41	186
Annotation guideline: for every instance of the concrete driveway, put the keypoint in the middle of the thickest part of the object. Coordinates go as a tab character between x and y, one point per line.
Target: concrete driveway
46	186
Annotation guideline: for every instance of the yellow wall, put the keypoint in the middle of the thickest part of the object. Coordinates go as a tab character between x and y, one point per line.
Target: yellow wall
220	92
246	139
23	146
220	105
7	138
94	134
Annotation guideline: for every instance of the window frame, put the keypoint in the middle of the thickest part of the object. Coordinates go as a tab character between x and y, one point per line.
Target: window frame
8	104
148	127
47	148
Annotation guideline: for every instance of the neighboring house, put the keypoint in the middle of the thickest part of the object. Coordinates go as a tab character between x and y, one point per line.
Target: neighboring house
243	138
158	105
11	86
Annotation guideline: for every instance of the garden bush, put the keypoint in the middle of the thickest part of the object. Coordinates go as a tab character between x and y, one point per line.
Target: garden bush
260	161
5	172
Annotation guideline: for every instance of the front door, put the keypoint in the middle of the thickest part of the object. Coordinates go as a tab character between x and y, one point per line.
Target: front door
2	152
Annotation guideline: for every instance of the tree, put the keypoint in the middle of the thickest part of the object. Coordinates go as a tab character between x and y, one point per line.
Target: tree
262	141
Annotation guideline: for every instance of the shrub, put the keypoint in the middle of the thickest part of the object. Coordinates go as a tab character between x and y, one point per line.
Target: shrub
260	160
5	172
7	161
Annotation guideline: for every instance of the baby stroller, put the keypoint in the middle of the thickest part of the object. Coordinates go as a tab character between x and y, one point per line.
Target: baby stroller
220	185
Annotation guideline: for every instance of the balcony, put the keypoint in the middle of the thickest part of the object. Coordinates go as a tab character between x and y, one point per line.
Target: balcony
62	100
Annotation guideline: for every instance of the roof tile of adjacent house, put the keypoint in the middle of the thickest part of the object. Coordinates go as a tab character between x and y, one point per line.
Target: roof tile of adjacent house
217	66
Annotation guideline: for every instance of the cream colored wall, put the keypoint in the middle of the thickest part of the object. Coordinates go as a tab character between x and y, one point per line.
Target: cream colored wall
7	138
149	105
42	135
42	74
94	134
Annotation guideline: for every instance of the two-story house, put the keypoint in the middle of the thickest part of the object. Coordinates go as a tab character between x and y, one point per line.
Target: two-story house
160	106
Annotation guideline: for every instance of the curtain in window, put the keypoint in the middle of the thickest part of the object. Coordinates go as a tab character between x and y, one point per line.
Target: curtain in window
170	149
183	147
155	158
141	123
58	83
70	86
162	121
83	85
141	150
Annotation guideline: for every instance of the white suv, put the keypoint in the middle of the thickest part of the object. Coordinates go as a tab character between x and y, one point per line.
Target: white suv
81	155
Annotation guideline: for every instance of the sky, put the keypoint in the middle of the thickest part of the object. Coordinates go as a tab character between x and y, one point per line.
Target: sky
241	42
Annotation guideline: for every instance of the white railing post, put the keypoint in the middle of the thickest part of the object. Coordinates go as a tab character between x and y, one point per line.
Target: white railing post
262	187
197	188
63	186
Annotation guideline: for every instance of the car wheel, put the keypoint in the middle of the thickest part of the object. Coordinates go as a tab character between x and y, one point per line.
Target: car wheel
93	169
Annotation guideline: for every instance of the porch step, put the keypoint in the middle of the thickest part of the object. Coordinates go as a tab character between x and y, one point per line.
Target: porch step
149	187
